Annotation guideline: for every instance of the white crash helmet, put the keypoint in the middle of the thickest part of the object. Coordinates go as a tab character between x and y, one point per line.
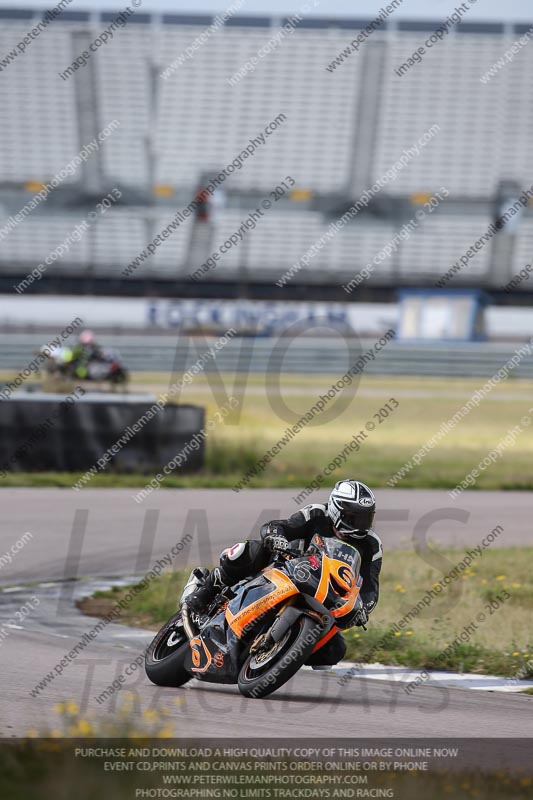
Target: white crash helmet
351	508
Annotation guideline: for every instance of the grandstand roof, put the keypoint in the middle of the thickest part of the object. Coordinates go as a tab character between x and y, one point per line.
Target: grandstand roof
488	10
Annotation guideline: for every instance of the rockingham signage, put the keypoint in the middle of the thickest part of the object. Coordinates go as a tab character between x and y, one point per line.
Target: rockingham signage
254	316
246	316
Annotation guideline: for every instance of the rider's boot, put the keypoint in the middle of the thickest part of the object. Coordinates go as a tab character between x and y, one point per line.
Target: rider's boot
206	592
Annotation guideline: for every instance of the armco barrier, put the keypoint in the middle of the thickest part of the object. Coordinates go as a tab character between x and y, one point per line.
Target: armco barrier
305	355
81	433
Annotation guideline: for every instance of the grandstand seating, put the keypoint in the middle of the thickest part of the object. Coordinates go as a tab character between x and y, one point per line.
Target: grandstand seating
267	252
523	255
317	140
441	241
202	121
29	244
516	153
445	89
341	130
39	120
124	93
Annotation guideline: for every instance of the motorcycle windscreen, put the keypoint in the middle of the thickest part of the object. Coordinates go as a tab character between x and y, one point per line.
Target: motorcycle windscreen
342	551
331	576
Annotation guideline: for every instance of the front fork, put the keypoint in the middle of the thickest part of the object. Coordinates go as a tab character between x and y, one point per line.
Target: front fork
196	578
188	625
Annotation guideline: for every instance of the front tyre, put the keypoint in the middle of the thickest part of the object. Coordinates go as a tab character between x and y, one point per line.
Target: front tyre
266	670
165	657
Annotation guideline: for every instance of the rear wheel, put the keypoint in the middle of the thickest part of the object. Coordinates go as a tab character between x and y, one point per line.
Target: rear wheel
165	657
119	376
269	668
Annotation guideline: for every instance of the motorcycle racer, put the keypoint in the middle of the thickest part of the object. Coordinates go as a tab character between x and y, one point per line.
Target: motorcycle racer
348	514
86	352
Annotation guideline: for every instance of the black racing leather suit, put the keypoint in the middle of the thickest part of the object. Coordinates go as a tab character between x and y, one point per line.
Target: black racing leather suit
249	558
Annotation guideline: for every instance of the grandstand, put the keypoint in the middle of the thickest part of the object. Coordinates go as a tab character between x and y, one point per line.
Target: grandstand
338	131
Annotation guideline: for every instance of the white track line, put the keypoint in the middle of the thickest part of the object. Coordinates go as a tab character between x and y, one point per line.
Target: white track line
458	680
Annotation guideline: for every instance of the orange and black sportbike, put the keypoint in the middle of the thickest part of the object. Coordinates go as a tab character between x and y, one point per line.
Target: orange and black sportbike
259	632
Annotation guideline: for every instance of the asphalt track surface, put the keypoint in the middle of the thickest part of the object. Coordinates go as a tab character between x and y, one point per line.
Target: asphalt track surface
99	533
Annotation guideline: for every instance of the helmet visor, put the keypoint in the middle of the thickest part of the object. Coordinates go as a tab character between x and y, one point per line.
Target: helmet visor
356	520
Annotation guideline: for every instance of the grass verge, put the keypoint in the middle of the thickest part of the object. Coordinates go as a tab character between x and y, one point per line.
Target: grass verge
235	445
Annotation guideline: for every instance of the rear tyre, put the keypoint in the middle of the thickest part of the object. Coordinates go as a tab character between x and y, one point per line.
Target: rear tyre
264	672
165	657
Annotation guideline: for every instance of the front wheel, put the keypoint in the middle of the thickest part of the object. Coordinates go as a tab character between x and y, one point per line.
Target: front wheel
266	670
165	657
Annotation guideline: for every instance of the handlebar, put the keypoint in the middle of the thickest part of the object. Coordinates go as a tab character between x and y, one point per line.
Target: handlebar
289	553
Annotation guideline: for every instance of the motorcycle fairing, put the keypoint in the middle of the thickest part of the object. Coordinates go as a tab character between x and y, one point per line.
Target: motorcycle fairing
212	653
215	651
263	598
337	575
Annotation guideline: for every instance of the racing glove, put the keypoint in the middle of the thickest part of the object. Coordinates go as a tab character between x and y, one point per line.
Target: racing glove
360	617
276	542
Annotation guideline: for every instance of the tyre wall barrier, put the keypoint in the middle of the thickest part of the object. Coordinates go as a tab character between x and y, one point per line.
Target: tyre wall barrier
40	432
